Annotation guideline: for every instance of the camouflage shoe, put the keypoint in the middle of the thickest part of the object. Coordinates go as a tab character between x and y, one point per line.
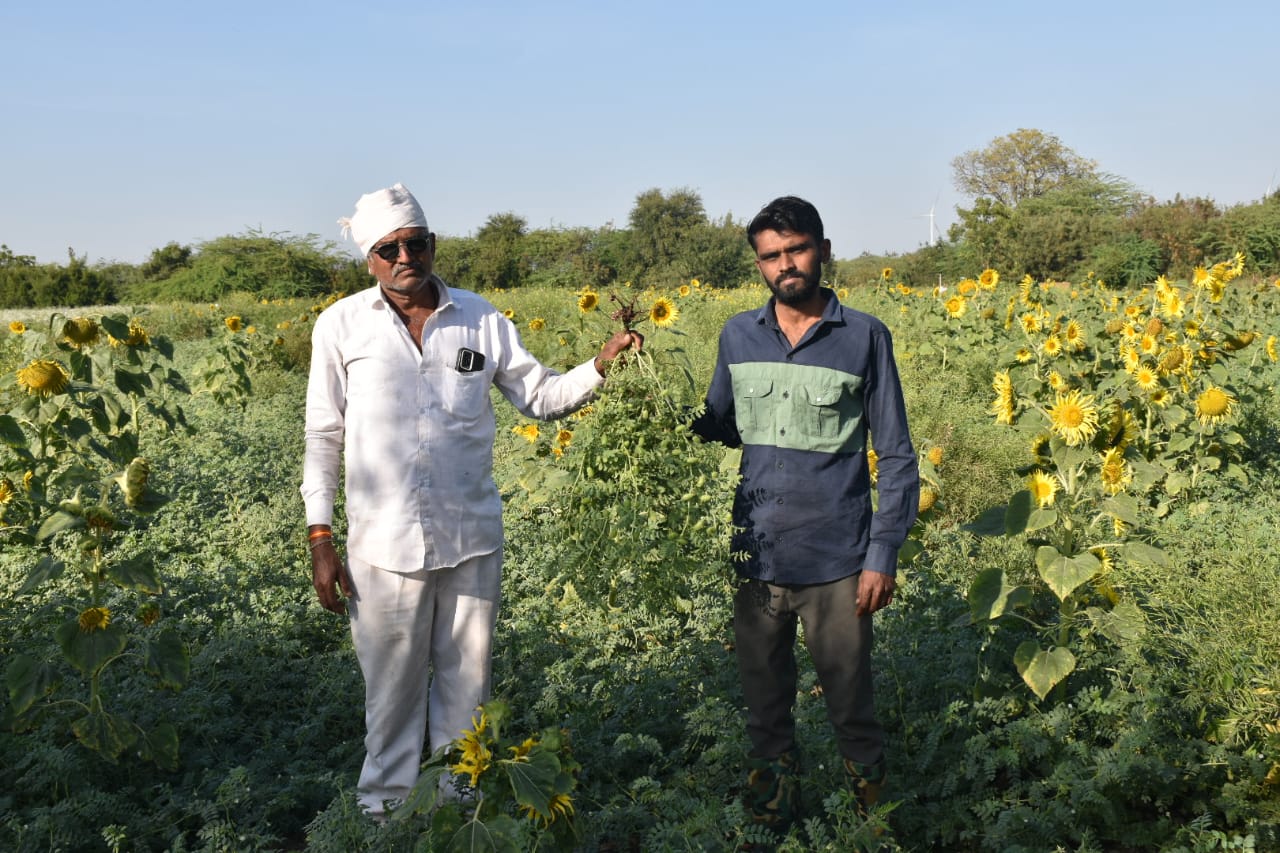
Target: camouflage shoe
772	797
866	779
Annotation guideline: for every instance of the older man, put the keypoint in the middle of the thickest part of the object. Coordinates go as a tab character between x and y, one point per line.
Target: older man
399	391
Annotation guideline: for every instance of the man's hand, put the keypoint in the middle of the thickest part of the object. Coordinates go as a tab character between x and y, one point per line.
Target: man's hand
874	591
330	577
621	341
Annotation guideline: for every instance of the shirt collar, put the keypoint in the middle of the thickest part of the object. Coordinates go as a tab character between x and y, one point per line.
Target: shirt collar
832	312
444	296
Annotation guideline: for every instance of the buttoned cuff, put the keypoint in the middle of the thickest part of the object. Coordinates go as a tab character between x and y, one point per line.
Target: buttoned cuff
881	559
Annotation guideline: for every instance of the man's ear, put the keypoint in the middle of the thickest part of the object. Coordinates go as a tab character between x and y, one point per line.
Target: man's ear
826	250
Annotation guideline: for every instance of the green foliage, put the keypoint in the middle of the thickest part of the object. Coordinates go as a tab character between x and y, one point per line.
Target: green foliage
1021	165
267	265
1163	738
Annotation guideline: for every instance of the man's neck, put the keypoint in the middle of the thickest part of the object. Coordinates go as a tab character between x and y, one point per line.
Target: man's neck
421	299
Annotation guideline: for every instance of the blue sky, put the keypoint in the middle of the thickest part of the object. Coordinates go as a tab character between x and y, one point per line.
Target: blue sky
129	125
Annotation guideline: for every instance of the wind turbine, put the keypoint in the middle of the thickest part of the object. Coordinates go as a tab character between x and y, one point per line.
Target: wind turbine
933	231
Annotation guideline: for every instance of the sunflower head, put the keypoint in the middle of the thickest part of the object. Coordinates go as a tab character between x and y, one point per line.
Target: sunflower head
956	306
537	324
1115	472
94	619
886	273
663	312
44	377
1073	417
17	327
1214	405
82	331
1043	488
587	301
234	323
989	279
935	454
7	491
928	497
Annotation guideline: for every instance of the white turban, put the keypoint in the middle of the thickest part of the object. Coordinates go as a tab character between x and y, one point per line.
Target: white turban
379	213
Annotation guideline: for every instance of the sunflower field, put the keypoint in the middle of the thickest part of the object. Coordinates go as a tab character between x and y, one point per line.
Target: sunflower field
1082	654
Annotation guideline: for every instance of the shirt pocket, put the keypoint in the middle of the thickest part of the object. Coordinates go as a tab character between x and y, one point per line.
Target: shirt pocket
754	405
820	410
466	395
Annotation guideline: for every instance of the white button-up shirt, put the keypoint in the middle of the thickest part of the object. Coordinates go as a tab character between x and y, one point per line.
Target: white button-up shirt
415	431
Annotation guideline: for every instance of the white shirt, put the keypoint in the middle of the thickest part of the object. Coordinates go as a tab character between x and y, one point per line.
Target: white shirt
416	433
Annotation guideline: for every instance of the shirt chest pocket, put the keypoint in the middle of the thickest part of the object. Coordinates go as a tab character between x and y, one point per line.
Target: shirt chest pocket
754	405
466	395
828	410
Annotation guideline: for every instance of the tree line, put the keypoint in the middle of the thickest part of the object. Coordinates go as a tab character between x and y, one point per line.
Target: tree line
1036	207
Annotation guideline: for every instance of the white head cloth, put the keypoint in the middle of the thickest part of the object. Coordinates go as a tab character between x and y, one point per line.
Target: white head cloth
379	213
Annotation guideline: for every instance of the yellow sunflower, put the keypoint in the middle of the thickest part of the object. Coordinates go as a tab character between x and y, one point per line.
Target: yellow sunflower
1003	407
1055	380
509	313
1030	323
7	491
886	273
956	306
1271	348
44	377
1043	488
564	438
137	336
1160	397
1053	346
1023	355
684	290
1074	335
17	327
587	301
1074	417
1146	377
1130	357
934	454
560	805
474	754
537	324
529	432
928	497
663	312
1115	471
989	279
967	287
1214	405
82	331
94	619
873	464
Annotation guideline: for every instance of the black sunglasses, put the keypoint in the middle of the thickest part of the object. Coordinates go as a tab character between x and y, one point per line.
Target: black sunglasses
391	251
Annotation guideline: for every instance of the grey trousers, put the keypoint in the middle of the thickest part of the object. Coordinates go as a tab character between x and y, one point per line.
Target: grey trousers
839	641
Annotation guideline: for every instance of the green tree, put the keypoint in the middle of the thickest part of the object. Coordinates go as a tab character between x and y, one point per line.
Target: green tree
1020	165
661	223
499	258
166	261
267	265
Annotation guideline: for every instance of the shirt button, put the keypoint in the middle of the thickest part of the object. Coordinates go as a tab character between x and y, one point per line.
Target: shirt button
782	431
786	394
779	466
779	500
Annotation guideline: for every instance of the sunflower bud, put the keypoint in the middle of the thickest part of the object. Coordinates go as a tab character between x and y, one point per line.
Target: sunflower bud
133	480
1238	342
928	497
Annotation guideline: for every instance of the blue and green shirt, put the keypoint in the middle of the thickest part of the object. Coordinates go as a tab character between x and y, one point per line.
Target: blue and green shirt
801	416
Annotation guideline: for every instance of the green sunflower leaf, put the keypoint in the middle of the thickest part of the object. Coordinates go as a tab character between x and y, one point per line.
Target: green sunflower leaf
1041	670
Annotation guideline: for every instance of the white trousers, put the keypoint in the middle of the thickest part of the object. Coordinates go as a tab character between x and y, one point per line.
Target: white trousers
402	624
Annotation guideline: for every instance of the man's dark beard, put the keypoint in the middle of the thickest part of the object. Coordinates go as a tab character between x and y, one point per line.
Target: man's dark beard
796	296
